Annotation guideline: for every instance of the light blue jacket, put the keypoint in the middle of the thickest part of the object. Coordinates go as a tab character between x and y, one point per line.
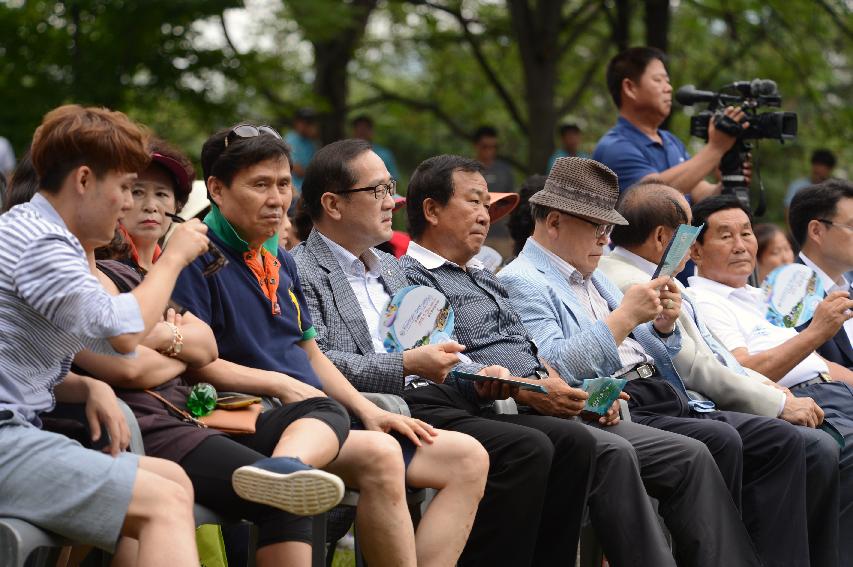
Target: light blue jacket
568	339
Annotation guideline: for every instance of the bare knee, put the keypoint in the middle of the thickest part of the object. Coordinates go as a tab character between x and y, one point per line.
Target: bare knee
158	499
382	462
471	466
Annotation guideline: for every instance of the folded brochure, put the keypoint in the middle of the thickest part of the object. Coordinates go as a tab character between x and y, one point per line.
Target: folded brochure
677	249
480	378
602	393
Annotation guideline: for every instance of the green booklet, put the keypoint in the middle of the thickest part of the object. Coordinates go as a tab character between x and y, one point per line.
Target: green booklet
602	393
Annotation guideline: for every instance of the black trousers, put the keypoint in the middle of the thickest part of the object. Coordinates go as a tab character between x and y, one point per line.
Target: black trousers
761	459
539	474
211	464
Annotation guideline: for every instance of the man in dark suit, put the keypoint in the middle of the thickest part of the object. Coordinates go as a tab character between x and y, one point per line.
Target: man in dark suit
821	219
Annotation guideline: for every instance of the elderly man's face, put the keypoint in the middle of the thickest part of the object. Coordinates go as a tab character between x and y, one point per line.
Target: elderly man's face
577	241
727	254
464	221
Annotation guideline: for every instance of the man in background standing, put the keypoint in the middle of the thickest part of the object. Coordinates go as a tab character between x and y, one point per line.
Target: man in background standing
303	143
570	143
636	147
362	128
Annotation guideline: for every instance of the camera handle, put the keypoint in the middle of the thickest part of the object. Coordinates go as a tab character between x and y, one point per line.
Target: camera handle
734	181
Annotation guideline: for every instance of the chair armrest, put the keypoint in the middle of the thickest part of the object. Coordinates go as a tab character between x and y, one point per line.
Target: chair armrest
136	444
389	402
18	539
507	407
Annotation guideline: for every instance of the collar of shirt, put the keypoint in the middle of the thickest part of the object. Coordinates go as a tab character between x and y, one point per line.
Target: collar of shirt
572	275
634	260
430	260
746	296
365	265
226	232
629	130
828	284
45	209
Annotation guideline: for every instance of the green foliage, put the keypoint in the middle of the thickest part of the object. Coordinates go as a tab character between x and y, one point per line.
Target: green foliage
415	70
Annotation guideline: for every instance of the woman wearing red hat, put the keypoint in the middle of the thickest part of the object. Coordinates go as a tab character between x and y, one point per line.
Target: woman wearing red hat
163	187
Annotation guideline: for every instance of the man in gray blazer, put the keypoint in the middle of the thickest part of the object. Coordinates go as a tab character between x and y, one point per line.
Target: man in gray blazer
541	468
654	211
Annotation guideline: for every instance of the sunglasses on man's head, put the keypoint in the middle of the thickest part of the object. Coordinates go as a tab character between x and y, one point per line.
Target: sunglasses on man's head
219	260
250	131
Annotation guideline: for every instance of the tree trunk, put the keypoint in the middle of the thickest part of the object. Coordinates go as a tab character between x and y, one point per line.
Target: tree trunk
657	24
331	58
537	32
622	25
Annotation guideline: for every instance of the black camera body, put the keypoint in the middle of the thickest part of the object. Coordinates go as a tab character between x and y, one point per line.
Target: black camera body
749	96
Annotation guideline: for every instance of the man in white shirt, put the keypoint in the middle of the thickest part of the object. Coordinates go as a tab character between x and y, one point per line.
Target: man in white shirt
734	312
654	211
821	220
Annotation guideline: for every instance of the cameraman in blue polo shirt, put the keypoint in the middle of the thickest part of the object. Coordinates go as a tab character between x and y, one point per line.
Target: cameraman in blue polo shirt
636	148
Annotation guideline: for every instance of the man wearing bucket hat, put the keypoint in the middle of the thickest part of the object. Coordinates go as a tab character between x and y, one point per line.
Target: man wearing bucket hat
585	327
539	467
448	219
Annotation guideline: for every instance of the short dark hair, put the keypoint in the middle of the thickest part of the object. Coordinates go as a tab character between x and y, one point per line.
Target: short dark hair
707	207
823	157
223	162
646	206
330	172
433	179
520	221
362	119
816	202
566	128
24	183
630	64
71	136
485	132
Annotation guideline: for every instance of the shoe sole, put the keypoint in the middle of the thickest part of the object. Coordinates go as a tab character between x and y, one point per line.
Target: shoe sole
304	493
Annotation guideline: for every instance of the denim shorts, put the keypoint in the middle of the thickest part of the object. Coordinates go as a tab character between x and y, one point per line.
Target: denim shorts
58	485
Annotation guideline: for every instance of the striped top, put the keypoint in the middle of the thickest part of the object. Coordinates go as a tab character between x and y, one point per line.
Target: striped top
51	307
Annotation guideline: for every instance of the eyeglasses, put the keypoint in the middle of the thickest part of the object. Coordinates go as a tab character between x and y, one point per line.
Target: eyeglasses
379	191
832	223
249	131
219	260
601	229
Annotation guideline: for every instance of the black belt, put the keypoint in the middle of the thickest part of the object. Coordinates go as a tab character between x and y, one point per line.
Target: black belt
644	370
417	383
821	378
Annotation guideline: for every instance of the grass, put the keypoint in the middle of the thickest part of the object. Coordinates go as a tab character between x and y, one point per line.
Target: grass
344	558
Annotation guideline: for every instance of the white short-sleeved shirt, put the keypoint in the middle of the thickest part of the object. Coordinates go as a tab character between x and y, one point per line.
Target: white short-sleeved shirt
736	317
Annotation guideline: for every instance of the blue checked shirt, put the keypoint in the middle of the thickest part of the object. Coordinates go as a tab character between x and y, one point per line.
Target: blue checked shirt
486	322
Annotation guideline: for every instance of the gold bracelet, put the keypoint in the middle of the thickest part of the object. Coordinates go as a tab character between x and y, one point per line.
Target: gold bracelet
177	341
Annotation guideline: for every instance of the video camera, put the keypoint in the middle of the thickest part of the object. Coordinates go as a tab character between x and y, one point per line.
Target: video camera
749	96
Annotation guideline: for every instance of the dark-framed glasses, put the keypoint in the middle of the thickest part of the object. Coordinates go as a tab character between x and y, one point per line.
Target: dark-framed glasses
833	223
379	191
250	131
